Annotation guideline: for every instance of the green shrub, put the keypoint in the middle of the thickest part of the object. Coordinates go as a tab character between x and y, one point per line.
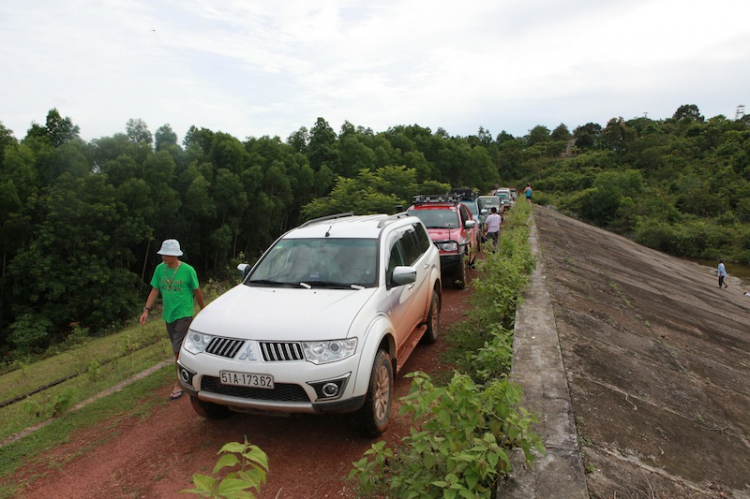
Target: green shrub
463	447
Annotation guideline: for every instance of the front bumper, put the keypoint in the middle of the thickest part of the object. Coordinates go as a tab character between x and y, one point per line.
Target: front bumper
449	263
289	395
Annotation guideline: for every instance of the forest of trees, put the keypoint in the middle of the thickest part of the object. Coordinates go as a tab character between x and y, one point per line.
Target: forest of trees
81	222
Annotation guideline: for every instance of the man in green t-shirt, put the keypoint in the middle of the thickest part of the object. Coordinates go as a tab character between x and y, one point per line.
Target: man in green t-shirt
177	283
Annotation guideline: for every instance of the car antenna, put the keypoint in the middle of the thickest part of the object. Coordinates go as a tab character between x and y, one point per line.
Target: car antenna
328	232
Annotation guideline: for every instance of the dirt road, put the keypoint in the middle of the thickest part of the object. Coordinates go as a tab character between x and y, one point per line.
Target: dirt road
156	457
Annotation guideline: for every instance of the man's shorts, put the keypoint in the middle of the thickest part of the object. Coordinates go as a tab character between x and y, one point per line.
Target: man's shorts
177	331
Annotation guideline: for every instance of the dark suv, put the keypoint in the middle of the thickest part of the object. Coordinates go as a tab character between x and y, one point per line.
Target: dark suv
452	229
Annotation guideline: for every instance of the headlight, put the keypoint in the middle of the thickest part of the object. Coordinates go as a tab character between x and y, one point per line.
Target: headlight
196	342
448	246
322	352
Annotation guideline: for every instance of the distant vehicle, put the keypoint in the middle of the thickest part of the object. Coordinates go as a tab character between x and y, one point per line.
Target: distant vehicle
467	197
485	203
453	231
506	198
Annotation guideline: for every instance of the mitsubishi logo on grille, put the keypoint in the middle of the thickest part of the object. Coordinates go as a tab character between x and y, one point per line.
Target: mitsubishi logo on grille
248	354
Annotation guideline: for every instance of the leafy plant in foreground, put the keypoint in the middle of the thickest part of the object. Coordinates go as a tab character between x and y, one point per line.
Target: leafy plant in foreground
253	464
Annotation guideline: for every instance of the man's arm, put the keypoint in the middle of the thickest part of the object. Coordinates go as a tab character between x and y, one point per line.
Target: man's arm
199	296
152	296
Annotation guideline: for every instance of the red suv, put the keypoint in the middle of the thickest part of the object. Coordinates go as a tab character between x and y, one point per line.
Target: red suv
452	229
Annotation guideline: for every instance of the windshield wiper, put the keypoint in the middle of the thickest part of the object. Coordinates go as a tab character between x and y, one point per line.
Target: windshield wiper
327	284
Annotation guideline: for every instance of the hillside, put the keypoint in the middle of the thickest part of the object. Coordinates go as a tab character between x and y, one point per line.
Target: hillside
657	360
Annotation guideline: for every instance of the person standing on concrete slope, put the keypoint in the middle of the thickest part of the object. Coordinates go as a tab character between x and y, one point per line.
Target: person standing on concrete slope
177	283
722	273
528	192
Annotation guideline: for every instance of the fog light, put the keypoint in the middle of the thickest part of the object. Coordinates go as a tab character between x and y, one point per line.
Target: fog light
186	375
330	389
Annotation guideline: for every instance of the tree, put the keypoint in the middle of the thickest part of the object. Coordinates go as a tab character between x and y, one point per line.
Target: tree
165	138
560	132
57	130
688	111
6	139
138	132
75	268
537	135
588	136
323	149
618	136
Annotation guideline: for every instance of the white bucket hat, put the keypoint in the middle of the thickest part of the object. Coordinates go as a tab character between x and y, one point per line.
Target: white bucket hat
170	247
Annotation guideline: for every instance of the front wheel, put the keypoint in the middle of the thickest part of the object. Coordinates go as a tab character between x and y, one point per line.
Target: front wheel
459	279
372	418
209	410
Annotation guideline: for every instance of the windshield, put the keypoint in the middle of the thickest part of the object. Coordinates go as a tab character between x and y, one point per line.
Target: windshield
489	201
328	262
436	219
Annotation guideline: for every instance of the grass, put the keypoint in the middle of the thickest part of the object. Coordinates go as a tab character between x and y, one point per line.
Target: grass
100	364
134	400
33	375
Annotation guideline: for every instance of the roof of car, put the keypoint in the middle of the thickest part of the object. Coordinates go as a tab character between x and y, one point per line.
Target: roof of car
348	226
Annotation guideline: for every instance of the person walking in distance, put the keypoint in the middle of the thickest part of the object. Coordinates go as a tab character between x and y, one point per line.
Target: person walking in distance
722	273
177	283
528	192
493	225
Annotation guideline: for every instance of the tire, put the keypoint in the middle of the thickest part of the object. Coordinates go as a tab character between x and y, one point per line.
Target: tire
209	410
459	278
433	320
372	418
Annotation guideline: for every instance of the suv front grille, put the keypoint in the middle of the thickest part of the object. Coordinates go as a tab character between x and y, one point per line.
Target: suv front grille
283	392
279	352
224	347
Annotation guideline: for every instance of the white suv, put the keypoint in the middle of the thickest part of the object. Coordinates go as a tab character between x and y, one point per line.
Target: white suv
320	324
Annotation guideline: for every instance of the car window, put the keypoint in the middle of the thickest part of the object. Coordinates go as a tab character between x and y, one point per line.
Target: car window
465	215
472	206
395	258
423	237
411	246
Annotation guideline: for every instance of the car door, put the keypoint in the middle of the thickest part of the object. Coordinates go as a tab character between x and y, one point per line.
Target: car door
400	299
415	257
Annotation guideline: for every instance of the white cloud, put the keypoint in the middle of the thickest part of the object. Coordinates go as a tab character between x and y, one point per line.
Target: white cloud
269	68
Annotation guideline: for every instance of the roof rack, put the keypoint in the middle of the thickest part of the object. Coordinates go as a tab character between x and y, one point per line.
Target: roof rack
329	217
392	218
433	198
464	193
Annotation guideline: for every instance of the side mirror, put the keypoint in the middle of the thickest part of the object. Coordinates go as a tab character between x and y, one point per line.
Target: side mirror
470	224
404	275
243	269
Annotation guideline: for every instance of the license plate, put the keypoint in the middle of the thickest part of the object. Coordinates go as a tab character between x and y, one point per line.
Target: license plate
246	379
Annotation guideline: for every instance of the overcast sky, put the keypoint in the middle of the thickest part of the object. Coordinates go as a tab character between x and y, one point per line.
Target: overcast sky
253	68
